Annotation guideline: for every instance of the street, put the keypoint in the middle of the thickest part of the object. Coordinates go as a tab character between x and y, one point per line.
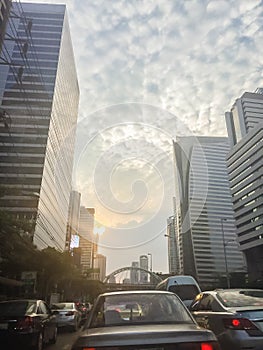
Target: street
65	340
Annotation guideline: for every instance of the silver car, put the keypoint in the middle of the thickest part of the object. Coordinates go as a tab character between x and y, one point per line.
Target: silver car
138	320
234	315
68	315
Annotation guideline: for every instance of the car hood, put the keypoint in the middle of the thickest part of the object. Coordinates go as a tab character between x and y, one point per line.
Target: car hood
143	334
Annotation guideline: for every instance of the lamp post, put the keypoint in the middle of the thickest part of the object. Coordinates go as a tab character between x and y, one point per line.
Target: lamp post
224	249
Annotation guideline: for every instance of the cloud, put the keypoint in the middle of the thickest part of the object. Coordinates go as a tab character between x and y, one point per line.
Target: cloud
187	61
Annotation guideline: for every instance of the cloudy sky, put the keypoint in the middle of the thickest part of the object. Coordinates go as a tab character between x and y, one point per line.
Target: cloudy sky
149	71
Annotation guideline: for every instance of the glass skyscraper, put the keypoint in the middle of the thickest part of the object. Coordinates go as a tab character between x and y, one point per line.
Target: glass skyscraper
39	98
205	229
245	167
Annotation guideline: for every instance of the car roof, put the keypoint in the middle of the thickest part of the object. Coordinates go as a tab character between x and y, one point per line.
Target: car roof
21	300
215	291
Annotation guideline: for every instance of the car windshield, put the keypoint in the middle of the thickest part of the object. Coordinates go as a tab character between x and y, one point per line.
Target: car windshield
139	308
61	306
241	298
17	308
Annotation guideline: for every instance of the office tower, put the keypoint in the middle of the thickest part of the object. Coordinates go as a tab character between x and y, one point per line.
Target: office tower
4	15
39	96
143	265
205	223
135	273
73	220
173	254
245	167
87	242
100	264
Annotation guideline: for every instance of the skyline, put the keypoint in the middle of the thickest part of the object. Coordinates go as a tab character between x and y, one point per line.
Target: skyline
150	71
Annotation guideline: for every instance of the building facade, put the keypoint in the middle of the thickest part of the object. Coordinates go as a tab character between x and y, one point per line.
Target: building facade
4	15
39	96
73	220
245	167
87	243
173	253
100	264
206	232
144	264
135	273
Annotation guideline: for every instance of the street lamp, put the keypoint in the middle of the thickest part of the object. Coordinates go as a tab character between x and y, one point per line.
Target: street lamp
150	254
224	248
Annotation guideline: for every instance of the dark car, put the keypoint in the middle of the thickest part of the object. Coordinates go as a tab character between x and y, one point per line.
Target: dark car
137	320
27	324
234	315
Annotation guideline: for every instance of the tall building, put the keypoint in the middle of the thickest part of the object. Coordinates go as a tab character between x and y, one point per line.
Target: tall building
87	243
135	273
173	253
39	98
73	219
100	264
245	166
206	231
4	15
144	265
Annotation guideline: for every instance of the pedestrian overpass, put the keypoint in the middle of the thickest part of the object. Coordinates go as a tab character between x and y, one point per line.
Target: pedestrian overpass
131	278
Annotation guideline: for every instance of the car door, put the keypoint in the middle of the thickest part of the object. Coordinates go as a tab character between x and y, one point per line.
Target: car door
47	321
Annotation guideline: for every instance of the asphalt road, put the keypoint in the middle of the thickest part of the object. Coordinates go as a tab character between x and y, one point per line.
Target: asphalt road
65	340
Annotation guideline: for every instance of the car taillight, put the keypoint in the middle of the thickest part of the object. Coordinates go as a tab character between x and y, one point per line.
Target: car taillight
70	313
25	324
88	348
200	346
239	324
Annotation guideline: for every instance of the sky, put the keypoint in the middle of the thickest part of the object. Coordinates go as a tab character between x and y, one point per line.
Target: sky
150	71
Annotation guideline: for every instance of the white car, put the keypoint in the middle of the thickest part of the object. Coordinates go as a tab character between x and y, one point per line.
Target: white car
68	315
234	315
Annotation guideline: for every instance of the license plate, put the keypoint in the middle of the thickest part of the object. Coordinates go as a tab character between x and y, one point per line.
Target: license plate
3	325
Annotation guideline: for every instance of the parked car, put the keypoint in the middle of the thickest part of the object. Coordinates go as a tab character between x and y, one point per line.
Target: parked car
68	315
149	320
234	315
26	324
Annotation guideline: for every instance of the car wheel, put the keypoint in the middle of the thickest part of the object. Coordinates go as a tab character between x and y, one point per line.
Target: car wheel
39	344
55	335
75	327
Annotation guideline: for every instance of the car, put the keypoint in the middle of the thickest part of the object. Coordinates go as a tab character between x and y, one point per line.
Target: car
68	315
150	320
234	315
26	324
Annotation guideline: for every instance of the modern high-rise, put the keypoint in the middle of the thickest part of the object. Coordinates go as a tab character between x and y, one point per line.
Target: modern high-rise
206	232
87	240
245	166
39	98
73	219
144	265
135	273
4	15
173	253
100	264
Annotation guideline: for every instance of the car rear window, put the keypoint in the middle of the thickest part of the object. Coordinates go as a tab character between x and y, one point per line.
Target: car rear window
139	308
185	292
61	306
241	298
17	308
